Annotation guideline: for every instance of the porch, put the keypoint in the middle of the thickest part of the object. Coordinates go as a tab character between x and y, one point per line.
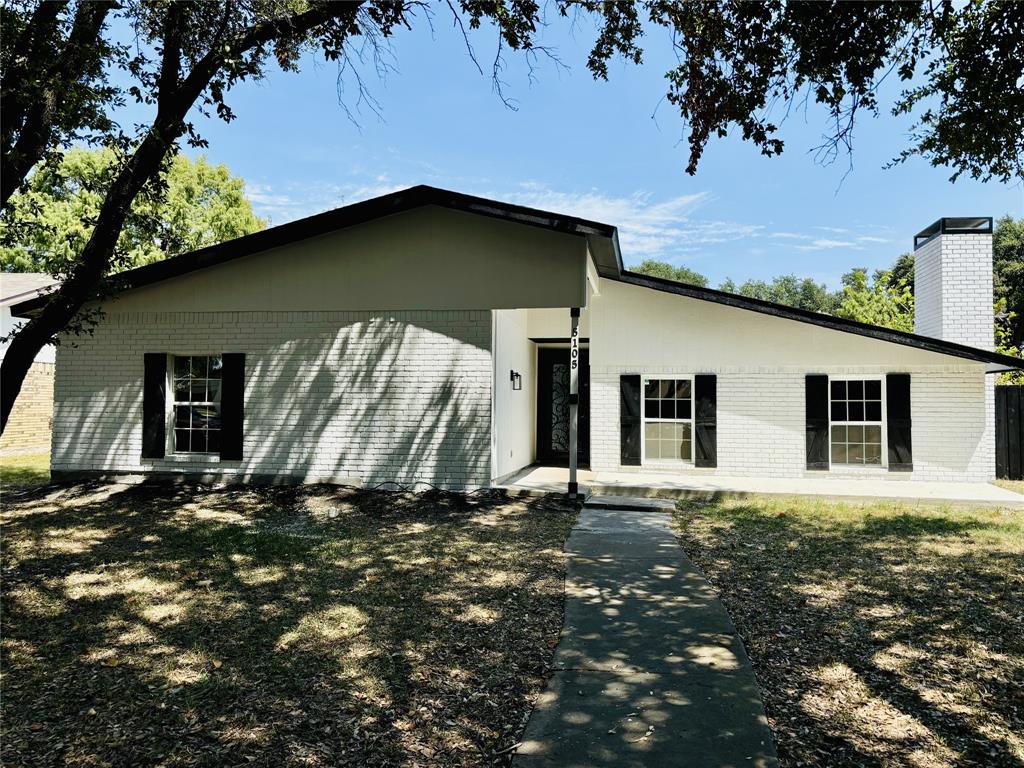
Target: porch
554	479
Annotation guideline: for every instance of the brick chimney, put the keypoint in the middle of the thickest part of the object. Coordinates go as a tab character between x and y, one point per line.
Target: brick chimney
953	281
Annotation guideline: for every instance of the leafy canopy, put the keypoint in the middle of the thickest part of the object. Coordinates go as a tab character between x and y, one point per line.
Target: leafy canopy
666	271
199	204
877	302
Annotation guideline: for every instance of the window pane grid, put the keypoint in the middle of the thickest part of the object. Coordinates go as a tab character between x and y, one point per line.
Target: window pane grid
668	411
196	403
856	416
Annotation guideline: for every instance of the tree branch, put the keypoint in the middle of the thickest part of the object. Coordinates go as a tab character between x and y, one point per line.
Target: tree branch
68	69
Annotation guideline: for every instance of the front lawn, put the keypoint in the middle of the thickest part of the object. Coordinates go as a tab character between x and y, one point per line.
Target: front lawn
312	626
25	469
881	635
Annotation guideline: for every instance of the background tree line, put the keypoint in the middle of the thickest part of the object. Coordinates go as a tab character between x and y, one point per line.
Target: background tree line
886	297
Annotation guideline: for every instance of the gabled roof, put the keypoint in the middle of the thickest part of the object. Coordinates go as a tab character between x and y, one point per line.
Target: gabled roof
602	241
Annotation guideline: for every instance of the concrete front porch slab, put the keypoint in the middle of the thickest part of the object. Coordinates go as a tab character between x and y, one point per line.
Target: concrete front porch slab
678	486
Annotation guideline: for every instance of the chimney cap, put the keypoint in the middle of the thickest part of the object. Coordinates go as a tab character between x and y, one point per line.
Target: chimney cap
954	225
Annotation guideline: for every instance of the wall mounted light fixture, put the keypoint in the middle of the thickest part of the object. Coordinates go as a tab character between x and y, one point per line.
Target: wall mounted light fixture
516	379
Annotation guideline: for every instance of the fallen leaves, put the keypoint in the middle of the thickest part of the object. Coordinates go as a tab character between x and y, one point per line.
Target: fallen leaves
306	626
880	635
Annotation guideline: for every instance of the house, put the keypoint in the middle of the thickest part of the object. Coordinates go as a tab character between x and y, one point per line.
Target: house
28	429
432	337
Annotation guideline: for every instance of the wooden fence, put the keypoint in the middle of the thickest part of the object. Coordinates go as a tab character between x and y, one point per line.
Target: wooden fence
1009	431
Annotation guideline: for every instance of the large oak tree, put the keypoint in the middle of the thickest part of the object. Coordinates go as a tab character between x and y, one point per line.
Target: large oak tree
741	66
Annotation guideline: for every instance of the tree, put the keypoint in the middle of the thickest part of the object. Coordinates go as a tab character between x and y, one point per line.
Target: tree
741	65
1004	341
48	225
789	290
667	271
877	303
1008	274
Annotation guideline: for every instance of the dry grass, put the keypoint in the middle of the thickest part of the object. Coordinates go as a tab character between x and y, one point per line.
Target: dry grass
881	635
1017	486
276	627
24	470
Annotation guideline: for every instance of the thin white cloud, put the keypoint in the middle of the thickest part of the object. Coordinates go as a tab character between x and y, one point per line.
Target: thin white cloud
873	239
789	235
665	229
648	228
826	244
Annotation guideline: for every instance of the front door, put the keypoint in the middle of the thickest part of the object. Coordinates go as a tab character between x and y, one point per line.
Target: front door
553	407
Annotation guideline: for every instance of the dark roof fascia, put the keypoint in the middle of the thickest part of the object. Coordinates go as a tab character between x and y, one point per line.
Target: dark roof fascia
596	234
1005	362
954	225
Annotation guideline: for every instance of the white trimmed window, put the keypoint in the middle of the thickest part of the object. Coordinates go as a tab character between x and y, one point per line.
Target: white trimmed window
855	408
668	420
195	404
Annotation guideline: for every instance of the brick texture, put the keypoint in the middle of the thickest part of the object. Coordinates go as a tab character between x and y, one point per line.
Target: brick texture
761	424
28	429
342	396
953	289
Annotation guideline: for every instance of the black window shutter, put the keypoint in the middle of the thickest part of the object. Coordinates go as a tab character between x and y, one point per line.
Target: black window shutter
705	423
232	405
154	404
816	410
629	419
897	392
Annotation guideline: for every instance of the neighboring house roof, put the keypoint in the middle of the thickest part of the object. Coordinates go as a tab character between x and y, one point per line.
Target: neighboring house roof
17	287
602	240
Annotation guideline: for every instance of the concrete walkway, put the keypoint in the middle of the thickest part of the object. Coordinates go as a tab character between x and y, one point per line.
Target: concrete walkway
649	671
684	485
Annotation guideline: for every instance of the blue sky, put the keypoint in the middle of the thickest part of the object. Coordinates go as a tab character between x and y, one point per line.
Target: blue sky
610	151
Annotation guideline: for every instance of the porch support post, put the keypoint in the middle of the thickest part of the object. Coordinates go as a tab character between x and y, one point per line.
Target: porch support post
574	398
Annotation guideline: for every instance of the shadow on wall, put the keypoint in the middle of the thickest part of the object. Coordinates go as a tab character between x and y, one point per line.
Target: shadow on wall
392	398
382	400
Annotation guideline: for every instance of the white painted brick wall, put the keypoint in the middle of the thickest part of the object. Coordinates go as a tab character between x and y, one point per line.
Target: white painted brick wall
403	396
953	289
761	423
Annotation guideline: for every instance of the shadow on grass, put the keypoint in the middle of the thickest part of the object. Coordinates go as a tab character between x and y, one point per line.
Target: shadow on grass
274	626
881	635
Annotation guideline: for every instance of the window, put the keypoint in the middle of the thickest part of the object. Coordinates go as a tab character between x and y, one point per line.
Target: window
196	404
668	420
856	416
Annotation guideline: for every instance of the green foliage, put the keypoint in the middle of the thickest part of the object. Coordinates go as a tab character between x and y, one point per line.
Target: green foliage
1005	320
1008	273
666	271
790	290
742	67
47	225
975	64
877	302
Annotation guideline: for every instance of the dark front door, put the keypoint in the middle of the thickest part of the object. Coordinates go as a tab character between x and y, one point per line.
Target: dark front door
553	407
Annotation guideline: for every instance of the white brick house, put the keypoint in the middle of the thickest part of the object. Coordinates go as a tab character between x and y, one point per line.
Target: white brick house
425	337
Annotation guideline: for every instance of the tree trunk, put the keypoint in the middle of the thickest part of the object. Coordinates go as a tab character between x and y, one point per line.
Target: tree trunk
94	260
